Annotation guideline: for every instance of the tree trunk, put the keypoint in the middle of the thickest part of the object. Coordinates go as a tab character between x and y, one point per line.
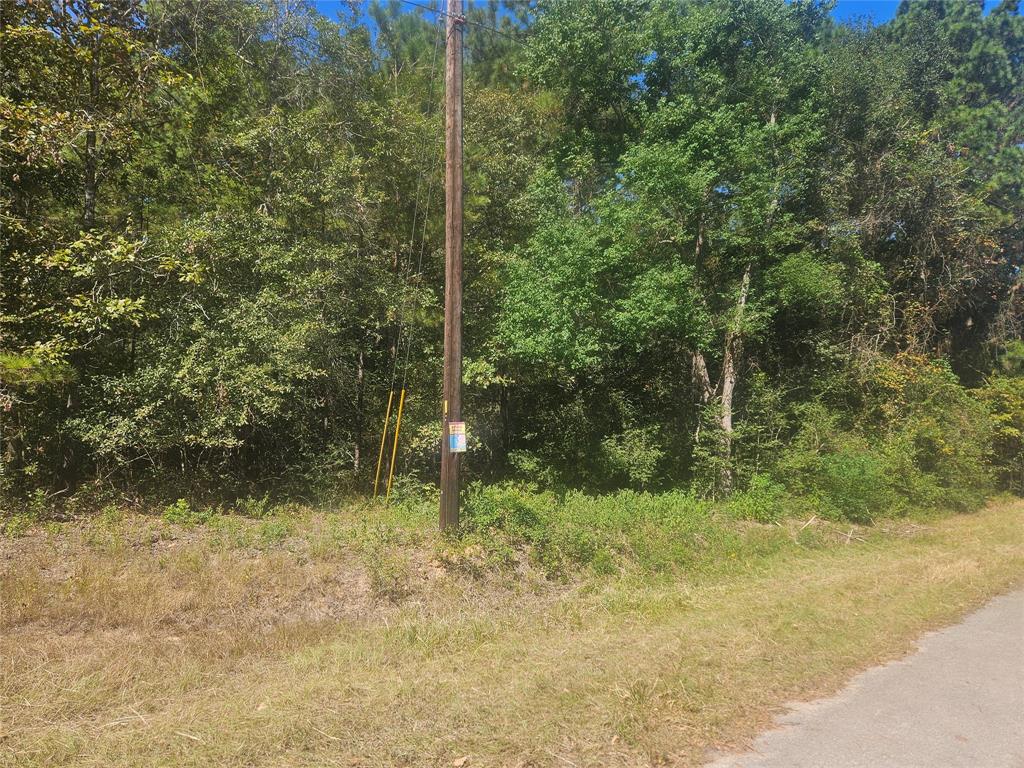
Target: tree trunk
730	362
701	382
698	364
701	379
358	442
89	183
505	416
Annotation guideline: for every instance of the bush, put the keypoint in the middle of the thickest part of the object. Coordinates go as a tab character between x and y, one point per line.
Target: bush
950	432
531	468
182	513
506	507
854	483
918	439
764	500
257	509
920	404
844	474
1003	396
633	455
652	532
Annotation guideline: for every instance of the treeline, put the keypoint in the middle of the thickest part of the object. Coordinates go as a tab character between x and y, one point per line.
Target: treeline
716	245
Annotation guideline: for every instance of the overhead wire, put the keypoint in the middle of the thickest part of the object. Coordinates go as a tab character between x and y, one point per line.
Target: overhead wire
405	295
440	13
423	241
410	333
465	20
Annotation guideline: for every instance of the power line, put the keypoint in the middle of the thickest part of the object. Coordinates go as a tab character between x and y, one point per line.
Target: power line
410	335
407	270
465	20
404	303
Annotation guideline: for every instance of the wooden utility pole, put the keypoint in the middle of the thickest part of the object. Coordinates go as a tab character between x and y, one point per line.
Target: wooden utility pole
452	386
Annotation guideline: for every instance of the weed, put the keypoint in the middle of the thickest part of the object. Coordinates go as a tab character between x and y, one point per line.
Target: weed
764	500
514	510
257	509
111	515
271	532
16	525
651	532
390	574
611	671
38	505
229	531
182	513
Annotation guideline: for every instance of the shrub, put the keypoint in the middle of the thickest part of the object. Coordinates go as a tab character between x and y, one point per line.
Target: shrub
182	513
273	532
652	532
763	419
1003	396
845	475
950	433
912	486
531	468
920	404
854	483
506	507
919	438
390	574
763	500
633	455
257	509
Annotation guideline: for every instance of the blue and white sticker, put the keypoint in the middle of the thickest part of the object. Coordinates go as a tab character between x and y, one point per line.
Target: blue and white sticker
456	437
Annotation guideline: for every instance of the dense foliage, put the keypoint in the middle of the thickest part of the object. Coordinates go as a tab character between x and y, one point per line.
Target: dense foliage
712	245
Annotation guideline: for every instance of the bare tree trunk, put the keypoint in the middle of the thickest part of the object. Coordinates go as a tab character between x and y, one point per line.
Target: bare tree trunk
698	364
730	362
505	414
701	382
701	379
89	210
359	413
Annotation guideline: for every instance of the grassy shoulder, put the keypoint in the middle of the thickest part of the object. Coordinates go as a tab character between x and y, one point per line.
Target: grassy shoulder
361	637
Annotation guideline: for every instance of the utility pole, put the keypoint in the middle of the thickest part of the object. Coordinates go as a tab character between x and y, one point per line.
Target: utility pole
452	386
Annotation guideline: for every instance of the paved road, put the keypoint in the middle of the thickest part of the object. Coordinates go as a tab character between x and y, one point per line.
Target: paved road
956	703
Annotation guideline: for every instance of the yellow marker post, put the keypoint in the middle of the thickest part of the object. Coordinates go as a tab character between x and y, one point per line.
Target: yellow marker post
383	440
394	450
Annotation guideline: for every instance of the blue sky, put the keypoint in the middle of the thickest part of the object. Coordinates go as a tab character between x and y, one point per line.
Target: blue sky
877	11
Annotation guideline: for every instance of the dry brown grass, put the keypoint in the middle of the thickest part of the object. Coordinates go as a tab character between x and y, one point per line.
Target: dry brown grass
120	646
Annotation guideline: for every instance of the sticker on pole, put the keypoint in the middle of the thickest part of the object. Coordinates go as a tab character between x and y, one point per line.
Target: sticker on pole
456	437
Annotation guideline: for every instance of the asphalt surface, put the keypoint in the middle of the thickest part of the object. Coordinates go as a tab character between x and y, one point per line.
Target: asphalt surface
958	702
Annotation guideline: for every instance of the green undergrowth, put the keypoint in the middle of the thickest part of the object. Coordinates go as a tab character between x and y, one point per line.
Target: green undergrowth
511	529
504	525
